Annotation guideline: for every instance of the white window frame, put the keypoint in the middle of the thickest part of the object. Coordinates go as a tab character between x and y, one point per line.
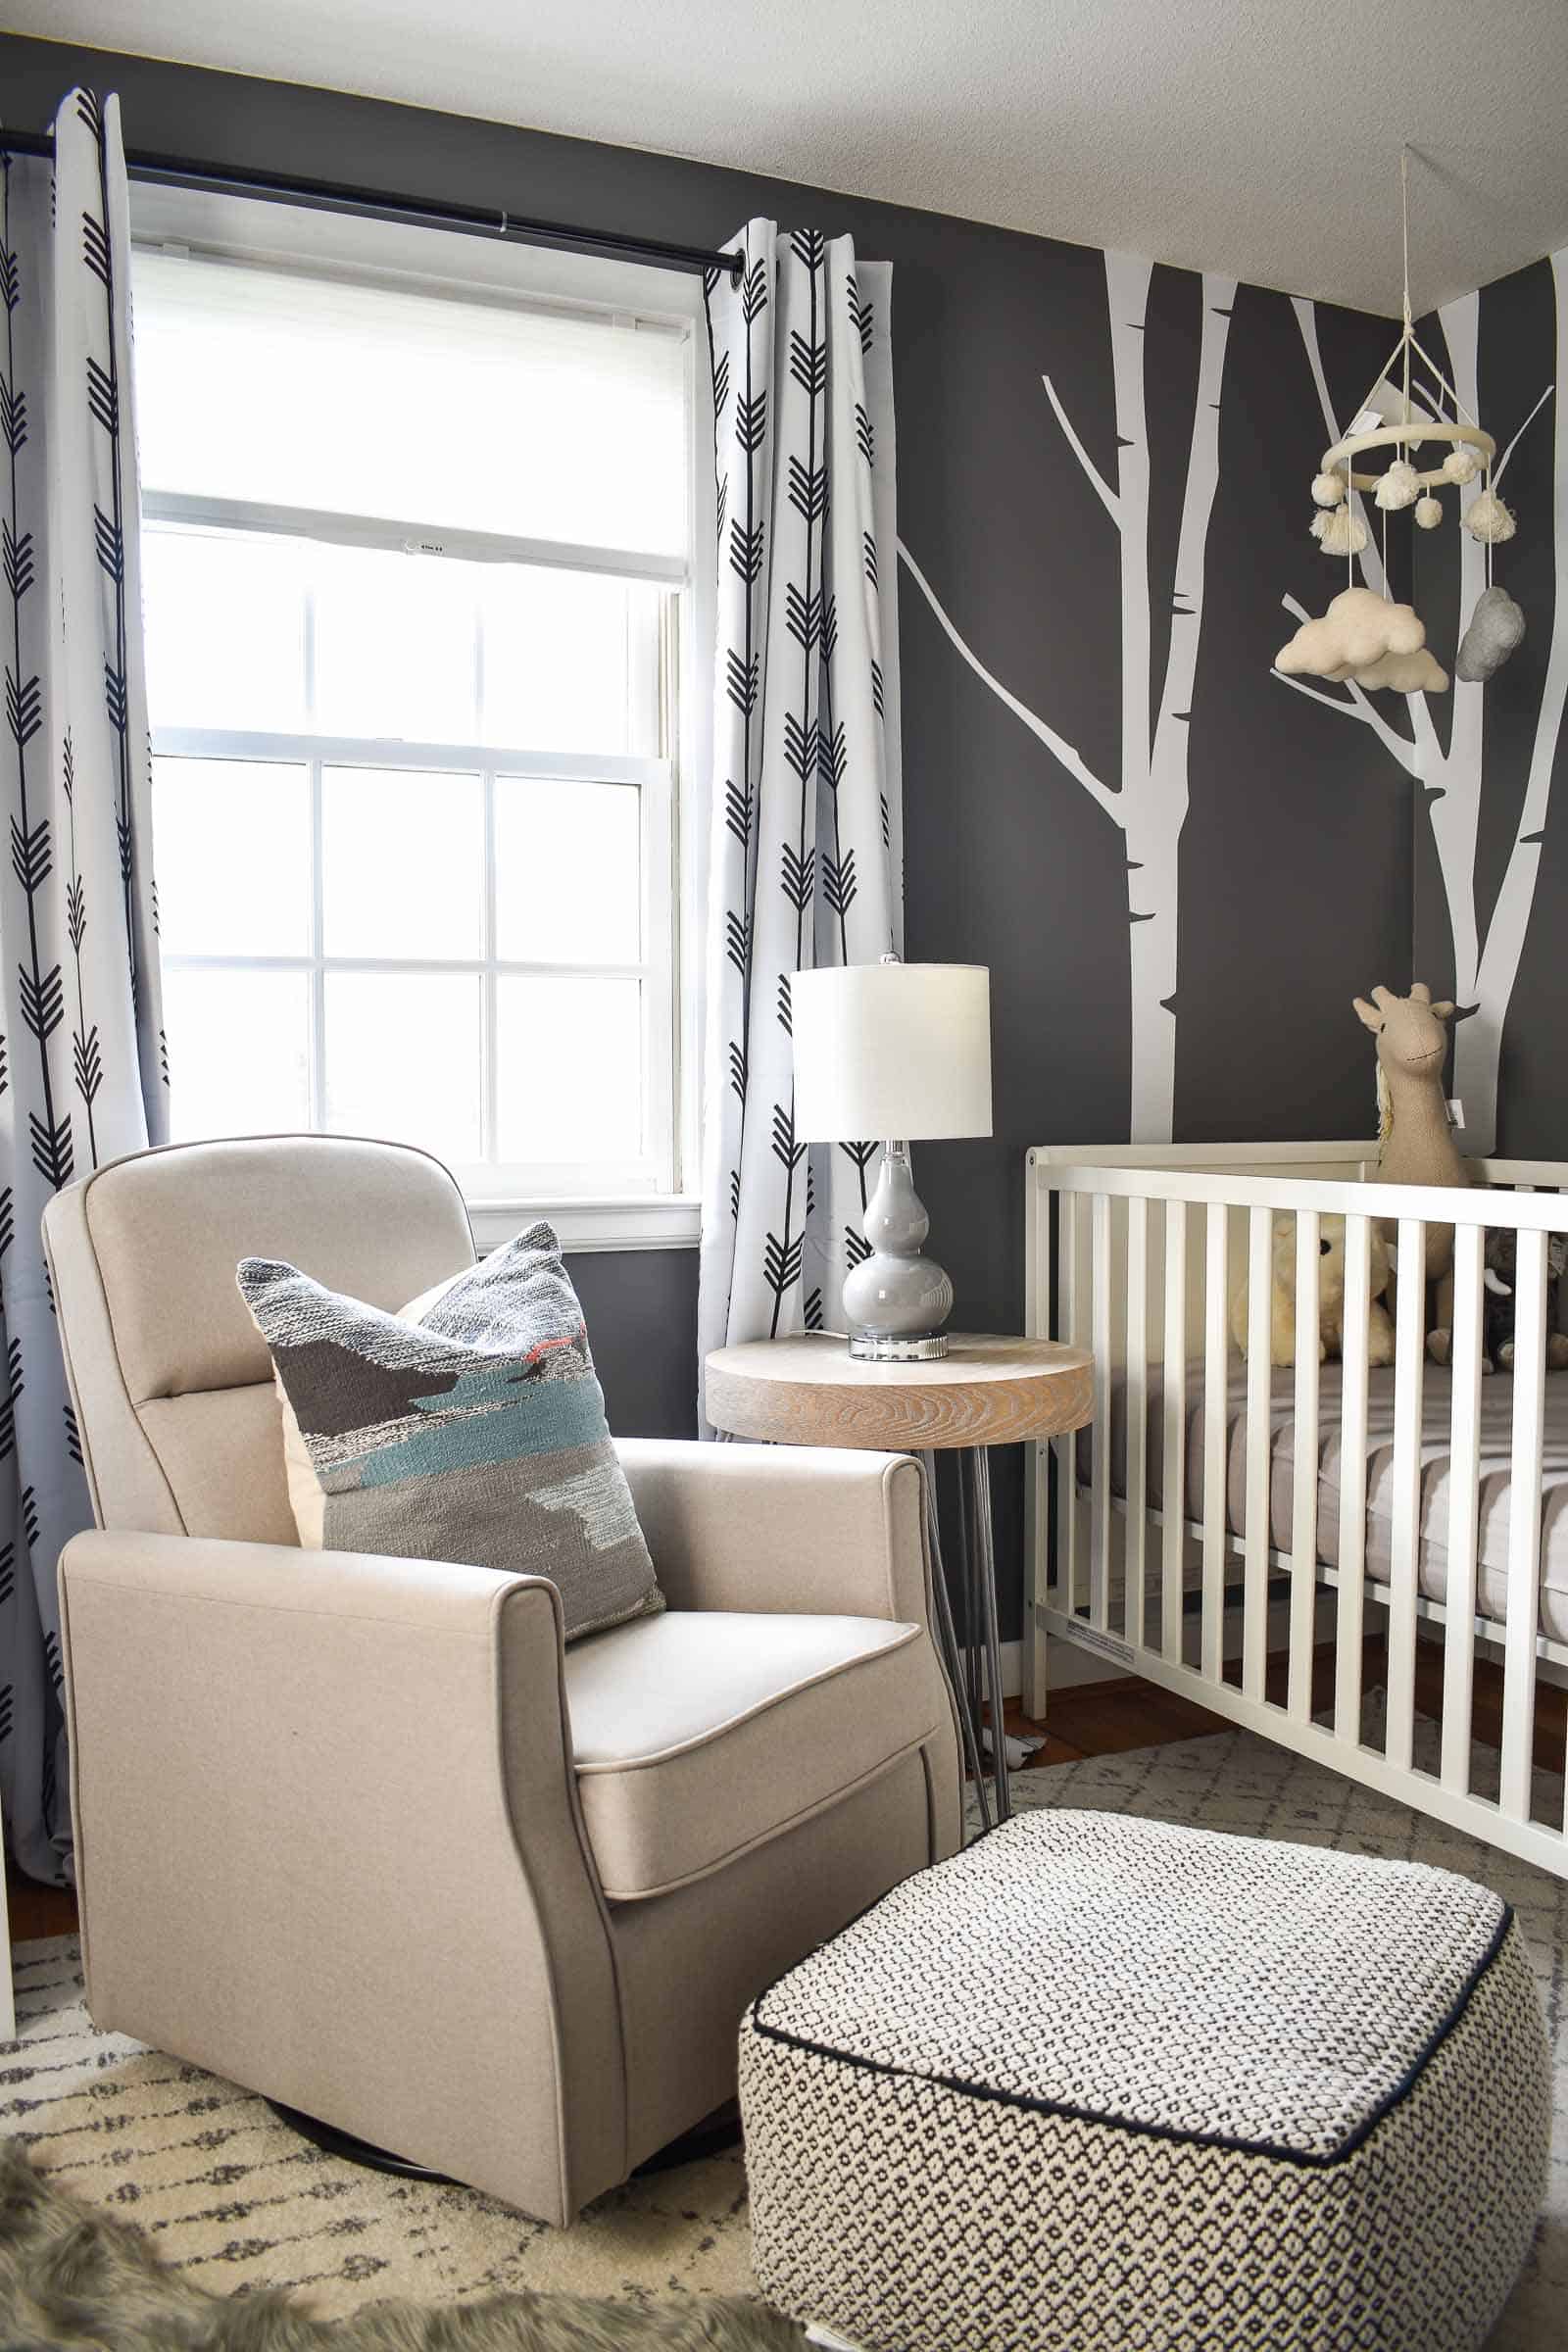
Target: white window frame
629	1210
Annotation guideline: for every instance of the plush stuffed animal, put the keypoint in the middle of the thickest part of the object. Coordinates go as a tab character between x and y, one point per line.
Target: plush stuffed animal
1496	1342
1415	1143
1330	1296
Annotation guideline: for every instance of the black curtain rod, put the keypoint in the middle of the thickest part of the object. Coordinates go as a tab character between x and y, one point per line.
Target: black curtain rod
424	212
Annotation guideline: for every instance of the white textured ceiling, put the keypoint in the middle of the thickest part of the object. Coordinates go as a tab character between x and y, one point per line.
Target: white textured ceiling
1259	138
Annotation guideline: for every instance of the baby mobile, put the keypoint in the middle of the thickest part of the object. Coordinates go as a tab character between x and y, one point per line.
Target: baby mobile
1371	639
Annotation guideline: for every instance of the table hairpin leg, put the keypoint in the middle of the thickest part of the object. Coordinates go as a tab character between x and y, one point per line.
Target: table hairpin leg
981	1539
967	1595
974	1617
952	1658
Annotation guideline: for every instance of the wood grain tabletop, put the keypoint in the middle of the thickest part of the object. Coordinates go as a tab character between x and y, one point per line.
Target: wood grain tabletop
990	1389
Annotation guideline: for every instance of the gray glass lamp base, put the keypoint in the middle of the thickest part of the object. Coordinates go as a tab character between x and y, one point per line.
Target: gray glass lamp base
896	1301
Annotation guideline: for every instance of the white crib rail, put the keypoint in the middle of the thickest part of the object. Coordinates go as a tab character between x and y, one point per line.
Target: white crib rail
1138	1257
1352	1616
1464	1507
1175	1434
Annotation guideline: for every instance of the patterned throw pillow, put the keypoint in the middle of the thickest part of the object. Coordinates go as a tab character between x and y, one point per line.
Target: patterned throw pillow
472	1431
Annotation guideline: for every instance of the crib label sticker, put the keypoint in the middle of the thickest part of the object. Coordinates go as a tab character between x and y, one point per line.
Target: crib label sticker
1089	1636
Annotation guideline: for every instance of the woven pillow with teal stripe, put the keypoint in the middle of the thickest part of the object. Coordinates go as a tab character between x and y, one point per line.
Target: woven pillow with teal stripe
475	1433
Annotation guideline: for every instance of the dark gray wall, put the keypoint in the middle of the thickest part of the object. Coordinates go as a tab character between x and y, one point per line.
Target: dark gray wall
641	1310
1296	880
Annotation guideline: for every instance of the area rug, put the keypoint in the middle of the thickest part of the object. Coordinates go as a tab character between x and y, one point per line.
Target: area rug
227	2194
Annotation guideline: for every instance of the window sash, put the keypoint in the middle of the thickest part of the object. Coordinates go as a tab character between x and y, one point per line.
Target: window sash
240	514
291	237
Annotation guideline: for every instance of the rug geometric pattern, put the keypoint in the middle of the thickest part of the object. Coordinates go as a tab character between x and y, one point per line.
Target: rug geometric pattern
224	2189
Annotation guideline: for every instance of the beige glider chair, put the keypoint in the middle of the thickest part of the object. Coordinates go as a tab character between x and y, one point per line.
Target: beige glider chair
359	1833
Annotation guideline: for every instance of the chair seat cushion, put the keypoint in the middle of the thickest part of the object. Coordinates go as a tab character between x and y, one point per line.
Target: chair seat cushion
699	1733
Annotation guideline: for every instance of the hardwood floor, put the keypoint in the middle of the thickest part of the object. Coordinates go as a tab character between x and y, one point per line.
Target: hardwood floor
1106	1719
36	1910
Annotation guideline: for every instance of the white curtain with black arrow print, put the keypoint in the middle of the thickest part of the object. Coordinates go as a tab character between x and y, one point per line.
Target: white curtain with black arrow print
806	864
82	1077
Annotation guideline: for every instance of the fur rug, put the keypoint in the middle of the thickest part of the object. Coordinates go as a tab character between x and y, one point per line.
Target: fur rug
70	2277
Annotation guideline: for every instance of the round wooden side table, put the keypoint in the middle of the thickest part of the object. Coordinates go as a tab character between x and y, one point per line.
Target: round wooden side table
988	1390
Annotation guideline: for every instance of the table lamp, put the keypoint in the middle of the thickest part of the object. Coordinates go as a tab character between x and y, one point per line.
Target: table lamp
901	1052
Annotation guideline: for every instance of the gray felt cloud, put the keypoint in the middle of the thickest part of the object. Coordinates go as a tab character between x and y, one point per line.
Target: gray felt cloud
1495	627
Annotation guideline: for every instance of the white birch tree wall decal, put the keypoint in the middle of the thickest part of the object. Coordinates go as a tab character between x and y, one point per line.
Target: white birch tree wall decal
1149	799
1486	957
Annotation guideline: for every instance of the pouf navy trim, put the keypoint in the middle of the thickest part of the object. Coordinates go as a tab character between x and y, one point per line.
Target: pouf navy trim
1311	2160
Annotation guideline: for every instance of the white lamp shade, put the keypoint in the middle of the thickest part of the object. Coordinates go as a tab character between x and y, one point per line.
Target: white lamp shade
891	1051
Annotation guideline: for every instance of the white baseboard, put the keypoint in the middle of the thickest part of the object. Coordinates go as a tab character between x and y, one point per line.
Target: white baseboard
1069	1665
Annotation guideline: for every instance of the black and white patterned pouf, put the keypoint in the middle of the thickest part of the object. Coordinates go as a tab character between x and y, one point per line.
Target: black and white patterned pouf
1099	2082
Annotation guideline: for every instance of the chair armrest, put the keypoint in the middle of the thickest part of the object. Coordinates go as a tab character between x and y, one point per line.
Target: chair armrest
329	1843
782	1527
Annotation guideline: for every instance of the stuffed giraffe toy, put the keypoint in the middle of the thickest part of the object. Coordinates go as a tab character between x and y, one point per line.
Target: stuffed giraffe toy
1415	1143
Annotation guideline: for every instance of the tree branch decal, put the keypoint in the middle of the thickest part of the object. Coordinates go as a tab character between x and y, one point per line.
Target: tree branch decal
1095	479
1149	804
1062	751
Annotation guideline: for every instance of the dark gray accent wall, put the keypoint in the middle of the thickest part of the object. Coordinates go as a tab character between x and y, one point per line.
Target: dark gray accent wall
1296	880
640	1307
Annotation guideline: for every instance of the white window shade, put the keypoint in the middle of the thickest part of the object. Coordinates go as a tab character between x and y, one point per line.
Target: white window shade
284	390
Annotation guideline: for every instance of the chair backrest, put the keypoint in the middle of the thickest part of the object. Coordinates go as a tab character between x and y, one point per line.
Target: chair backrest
170	1379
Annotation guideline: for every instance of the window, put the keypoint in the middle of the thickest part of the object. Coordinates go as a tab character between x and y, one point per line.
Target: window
414	575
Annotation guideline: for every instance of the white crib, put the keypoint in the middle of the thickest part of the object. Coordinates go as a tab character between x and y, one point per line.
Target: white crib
1179	1536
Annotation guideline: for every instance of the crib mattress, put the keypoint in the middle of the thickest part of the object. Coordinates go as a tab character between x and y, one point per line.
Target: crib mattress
1494	1500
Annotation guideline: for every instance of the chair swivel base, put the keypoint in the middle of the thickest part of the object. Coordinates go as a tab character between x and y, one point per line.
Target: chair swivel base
710	2138
333	2142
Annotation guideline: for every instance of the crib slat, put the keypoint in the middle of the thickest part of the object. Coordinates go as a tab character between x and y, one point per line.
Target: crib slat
1100	1493
1068	1322
1039	1323
1350	1612
1259	1448
1173	1478
1137	1483
1216	1435
1524	1524
1409	1368
1303	1509
1464	1485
